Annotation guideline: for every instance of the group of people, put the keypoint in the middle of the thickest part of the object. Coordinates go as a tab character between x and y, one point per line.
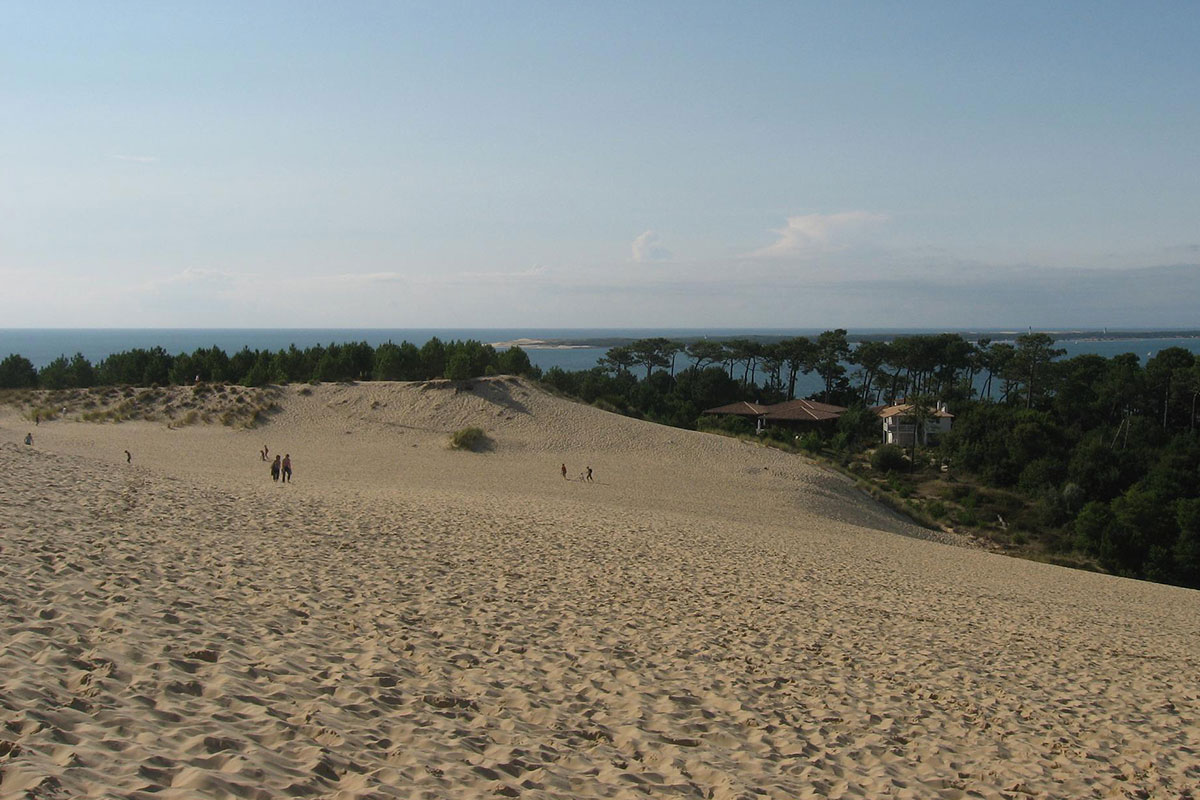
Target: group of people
281	468
37	420
583	476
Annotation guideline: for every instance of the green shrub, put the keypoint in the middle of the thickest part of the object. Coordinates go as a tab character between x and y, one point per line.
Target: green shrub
959	492
46	413
888	458
738	426
611	404
1039	474
810	442
966	517
935	509
473	439
780	436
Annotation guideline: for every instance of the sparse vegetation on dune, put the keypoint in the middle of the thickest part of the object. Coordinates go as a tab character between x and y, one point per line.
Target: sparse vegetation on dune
232	406
473	439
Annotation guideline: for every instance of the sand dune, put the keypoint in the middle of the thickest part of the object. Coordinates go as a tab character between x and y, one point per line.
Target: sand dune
708	619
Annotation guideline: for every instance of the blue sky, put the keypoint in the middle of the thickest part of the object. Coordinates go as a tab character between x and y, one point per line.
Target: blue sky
389	164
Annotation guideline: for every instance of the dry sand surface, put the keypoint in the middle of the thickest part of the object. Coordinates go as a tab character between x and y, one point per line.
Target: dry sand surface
708	619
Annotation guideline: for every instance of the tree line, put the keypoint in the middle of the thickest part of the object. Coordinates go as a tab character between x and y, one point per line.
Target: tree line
354	361
945	365
872	372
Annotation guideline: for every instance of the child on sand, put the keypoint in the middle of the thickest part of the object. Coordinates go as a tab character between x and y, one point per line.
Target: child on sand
29	438
275	469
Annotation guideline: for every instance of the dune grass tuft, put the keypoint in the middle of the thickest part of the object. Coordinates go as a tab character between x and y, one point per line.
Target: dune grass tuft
473	439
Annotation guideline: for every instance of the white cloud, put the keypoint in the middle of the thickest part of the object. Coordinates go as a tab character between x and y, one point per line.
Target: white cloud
194	282
533	273
809	234
353	279
1190	249
135	159
648	247
200	275
193	290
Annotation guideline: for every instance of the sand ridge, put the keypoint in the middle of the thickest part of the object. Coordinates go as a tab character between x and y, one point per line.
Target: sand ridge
404	621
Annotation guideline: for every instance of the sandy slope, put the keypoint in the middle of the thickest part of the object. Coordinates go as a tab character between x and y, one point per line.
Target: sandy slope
708	619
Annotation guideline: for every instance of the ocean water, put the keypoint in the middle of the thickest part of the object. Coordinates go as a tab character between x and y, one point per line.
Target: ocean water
43	345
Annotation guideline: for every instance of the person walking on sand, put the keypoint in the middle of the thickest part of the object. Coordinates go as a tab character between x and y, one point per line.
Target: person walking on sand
263	453
589	475
37	420
128	457
564	471
287	468
275	469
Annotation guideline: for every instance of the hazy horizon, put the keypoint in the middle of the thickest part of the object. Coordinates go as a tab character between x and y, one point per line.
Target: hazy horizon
540	165
715	329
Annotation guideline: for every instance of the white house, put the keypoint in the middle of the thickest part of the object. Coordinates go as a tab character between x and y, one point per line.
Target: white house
900	426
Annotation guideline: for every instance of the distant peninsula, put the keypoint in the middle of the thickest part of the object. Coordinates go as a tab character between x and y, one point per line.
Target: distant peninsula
1076	335
546	344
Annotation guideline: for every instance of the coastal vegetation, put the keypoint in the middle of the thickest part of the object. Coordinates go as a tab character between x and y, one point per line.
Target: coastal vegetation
472	438
1087	461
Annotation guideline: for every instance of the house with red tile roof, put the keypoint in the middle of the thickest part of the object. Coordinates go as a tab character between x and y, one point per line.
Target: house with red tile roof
799	414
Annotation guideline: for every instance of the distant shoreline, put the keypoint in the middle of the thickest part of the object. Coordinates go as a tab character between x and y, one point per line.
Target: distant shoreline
566	348
542	344
594	342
